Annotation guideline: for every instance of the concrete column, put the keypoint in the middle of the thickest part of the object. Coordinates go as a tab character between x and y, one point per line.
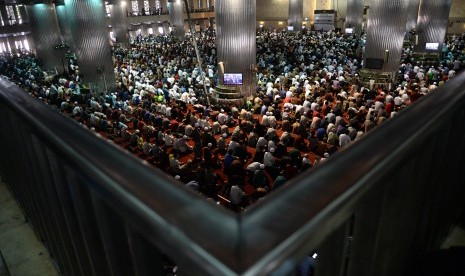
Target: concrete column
354	17
66	35
118	19
432	23
322	5
236	39
204	4
176	10
91	39
154	27
145	29
385	35
46	33
9	46
152	6
412	14
166	28
141	6
212	23
340	6
296	9
164	5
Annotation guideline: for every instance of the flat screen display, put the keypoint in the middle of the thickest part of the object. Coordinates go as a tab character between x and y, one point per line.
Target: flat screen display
432	46
290	28
349	30
232	79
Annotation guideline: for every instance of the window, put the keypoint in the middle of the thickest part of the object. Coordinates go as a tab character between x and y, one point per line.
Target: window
11	15
150	30
158	9
160	30
135	7
2	47
18	13
146	7
107	8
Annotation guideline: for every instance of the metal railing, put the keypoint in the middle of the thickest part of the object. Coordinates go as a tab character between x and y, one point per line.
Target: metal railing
372	209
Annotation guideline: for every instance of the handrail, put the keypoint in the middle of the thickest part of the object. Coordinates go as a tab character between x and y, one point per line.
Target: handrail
138	190
274	235
324	197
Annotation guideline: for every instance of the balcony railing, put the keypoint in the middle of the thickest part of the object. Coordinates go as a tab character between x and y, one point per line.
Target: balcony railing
372	209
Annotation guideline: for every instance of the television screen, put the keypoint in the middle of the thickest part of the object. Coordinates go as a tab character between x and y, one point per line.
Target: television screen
374	63
232	79
290	28
349	30
432	46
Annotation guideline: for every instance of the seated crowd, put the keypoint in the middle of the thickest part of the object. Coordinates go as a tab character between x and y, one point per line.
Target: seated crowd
309	103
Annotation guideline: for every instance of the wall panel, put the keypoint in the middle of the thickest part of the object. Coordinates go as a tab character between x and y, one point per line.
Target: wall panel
119	22
354	17
46	34
91	39
385	31
236	39
412	14
295	14
432	22
176	10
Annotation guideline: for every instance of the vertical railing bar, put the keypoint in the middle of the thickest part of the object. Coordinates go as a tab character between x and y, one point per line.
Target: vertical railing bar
145	257
69	214
87	221
43	202
31	208
55	209
114	237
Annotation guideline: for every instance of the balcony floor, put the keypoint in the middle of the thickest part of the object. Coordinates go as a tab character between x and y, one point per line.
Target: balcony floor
23	253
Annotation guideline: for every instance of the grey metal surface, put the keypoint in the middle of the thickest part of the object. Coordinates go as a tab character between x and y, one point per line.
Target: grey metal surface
412	14
296	8
176	11
433	18
385	31
340	6
91	40
236	39
46	34
364	171
66	34
92	210
354	18
119	23
166	214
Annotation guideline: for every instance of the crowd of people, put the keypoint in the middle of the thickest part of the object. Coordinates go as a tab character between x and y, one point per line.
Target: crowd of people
310	102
